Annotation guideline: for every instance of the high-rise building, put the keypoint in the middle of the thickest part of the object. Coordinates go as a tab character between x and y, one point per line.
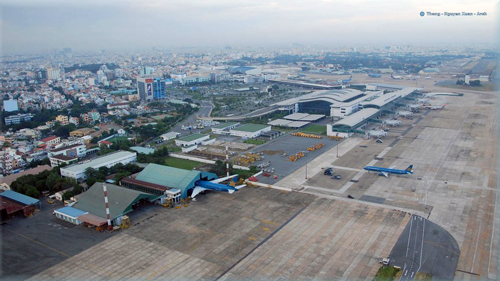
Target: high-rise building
145	88
53	73
146	70
159	88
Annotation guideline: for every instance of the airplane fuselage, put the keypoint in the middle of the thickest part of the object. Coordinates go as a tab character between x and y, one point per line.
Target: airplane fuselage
215	186
387	170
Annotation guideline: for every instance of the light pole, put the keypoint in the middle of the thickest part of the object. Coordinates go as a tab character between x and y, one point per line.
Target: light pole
306	170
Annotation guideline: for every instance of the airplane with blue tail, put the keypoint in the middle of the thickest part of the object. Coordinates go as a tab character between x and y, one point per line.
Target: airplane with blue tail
231	187
386	171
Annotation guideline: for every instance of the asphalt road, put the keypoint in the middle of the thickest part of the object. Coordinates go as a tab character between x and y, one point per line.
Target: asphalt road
427	248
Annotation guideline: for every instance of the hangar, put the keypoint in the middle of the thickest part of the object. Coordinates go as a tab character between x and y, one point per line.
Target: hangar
172	178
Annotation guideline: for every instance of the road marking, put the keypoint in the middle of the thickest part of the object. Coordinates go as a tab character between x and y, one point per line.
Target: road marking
409	238
477	242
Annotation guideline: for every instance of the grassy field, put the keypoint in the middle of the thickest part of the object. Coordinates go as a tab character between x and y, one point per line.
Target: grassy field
182	163
117	139
315	129
489	87
386	273
256	142
423	277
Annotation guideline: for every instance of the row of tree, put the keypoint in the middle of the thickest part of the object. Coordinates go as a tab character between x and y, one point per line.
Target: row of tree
119	170
51	181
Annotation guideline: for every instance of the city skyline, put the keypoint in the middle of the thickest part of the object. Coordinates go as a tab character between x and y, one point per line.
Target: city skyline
30	27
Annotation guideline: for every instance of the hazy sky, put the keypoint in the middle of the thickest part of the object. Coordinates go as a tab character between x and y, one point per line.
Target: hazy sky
37	25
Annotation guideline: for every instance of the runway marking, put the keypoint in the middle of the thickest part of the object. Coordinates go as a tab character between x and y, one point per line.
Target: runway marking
477	242
409	238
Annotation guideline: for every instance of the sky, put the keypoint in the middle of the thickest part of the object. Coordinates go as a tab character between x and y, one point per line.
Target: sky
32	26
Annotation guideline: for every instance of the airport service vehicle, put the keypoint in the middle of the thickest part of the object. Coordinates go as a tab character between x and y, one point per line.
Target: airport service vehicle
386	171
337	177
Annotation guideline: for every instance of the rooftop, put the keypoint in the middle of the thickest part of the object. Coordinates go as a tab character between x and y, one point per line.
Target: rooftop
120	200
192	137
173	177
99	161
356	118
143	150
71	212
250	127
18	197
67	147
225	125
49	138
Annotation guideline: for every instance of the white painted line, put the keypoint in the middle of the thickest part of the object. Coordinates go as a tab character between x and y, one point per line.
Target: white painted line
477	242
409	237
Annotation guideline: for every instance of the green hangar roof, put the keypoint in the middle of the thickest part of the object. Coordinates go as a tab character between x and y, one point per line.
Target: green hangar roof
173	177
120	200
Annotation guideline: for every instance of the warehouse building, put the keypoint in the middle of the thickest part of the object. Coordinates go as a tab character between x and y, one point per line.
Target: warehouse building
156	179
191	140
224	128
90	206
16	204
77	171
6	182
250	130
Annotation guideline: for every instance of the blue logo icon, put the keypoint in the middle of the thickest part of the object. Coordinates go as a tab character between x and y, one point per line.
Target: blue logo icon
422	14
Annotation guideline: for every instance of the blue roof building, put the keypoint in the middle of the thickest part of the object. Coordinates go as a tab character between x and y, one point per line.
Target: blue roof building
20	198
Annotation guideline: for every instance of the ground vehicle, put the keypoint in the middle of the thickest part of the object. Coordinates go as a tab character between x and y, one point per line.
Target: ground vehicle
350	196
328	172
379	141
337	177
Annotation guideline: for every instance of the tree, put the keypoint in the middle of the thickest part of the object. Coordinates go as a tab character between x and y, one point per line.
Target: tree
32	192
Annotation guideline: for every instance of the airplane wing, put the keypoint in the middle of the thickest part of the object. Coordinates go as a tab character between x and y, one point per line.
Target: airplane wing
223	179
385	174
197	191
240	186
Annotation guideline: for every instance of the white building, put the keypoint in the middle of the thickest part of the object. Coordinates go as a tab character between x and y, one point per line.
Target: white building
77	171
10	105
170	136
191	140
250	130
224	128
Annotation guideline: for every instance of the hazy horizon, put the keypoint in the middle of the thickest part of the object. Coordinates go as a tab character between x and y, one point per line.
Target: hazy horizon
32	27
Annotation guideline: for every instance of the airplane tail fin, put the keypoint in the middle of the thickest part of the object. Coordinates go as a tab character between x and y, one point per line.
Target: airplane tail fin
410	169
233	182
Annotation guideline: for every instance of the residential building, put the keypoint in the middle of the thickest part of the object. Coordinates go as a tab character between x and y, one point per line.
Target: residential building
64	120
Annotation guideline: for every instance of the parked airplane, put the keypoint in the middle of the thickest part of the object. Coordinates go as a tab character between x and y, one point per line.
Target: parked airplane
424	100
340	81
375	75
409	76
386	171
433	107
428	77
393	123
215	185
395	77
405	113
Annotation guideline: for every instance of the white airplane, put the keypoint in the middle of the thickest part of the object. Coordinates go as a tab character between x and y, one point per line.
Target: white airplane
434	107
405	113
423	100
428	77
393	123
409	76
414	106
429	95
396	77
